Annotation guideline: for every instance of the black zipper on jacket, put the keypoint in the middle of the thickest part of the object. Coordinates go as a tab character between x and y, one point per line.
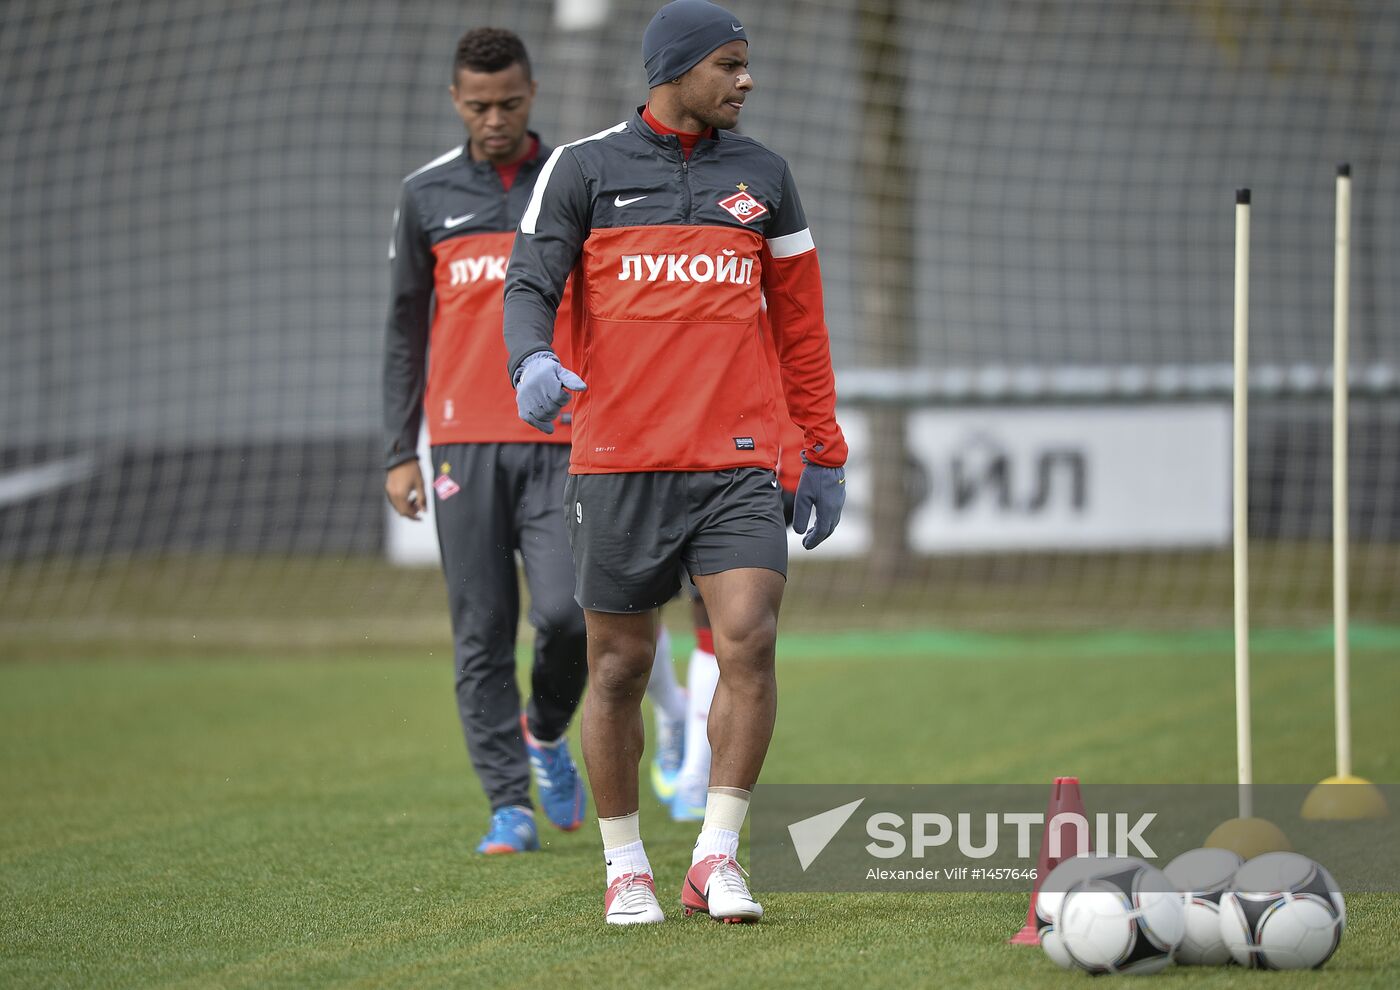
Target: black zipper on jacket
685	178
505	193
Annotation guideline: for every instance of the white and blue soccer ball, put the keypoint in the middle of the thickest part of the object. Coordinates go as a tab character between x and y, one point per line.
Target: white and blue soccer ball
1203	876
1284	912
1129	919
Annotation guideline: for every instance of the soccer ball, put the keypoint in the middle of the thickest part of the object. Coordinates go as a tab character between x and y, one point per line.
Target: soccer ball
1052	895
1129	920
1202	876
1285	912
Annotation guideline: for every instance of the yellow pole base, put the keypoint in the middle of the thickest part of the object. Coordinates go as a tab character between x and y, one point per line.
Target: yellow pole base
1344	799
1248	837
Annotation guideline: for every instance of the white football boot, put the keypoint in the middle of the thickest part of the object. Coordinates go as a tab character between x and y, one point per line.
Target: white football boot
631	900
716	885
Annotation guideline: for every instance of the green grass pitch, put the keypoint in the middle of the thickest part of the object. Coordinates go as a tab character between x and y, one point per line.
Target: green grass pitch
245	821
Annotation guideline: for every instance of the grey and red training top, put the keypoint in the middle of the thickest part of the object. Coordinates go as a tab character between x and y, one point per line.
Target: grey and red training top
672	258
452	235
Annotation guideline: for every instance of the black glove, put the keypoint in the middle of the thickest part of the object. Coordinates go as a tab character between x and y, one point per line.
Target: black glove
823	489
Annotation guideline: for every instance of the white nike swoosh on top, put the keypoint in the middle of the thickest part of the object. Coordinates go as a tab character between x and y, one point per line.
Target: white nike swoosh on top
737	27
451	222
619	201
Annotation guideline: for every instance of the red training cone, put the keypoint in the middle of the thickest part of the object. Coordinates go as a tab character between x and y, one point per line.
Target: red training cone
1064	797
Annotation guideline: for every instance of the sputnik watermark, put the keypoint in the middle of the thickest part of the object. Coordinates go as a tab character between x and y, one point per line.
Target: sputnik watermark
887	831
993	837
930	830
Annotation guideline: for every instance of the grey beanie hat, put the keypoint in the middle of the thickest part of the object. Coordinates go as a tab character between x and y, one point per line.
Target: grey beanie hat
682	33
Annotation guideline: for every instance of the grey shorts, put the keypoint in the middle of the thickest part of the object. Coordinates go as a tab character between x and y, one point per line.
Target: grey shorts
632	533
688	588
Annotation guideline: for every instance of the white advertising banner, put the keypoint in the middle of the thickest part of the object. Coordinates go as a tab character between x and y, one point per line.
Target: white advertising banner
1071	478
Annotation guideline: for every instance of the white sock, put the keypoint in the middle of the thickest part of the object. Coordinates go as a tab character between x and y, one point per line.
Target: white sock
663	690
622	845
725	808
631	858
702	678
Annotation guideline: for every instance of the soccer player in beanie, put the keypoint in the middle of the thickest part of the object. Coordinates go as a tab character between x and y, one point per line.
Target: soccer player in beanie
677	230
497	482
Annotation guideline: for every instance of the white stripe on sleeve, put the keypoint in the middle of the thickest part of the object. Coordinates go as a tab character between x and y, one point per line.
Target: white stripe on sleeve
790	245
532	212
441	159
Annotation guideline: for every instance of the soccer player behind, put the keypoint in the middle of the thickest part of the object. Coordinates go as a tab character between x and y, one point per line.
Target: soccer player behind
678	230
498	483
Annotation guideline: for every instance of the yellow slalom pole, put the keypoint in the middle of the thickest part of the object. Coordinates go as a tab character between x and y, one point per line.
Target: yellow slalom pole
1246	835
1340	530
1243	752
1358	798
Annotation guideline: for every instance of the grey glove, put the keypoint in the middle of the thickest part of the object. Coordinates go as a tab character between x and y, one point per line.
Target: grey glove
823	489
540	389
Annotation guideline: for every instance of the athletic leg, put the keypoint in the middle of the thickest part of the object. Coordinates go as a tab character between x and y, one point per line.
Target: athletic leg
620	650
536	474
626	535
560	668
479	567
743	606
620	655
738	556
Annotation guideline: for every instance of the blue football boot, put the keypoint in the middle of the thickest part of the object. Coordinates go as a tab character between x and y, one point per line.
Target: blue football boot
689	803
512	831
561	789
